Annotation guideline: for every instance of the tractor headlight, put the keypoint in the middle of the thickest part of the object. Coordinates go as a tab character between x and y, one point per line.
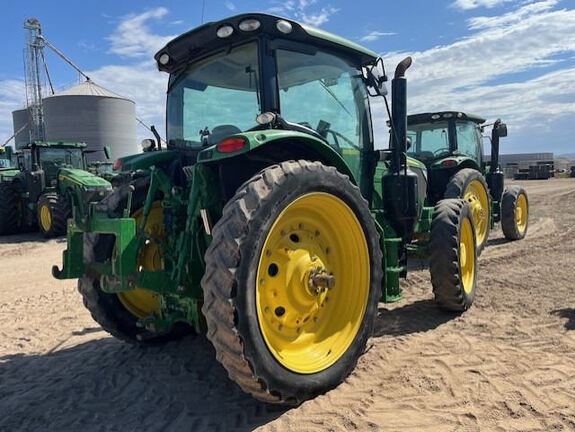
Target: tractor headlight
249	25
224	31
284	26
164	59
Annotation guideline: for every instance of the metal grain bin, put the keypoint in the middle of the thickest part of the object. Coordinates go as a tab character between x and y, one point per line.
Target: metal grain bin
20	120
92	114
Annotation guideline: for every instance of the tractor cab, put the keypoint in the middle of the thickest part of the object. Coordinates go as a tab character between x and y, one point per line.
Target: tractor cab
50	157
445	142
436	137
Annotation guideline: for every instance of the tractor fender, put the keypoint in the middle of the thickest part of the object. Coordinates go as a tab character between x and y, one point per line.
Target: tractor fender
460	163
279	146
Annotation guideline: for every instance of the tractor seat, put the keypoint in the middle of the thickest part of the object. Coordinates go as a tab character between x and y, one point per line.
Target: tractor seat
218	133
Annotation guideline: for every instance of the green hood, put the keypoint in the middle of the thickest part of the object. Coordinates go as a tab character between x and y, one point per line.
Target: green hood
83	178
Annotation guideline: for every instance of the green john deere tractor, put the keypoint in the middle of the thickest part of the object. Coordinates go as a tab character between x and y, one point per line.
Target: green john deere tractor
268	221
49	182
450	146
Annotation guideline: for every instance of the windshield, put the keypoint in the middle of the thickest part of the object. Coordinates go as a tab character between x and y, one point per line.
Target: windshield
324	93
214	98
428	140
56	157
4	163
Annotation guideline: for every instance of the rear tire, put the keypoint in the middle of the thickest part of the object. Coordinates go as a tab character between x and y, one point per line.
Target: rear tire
10	219
470	185
236	292
514	213
107	309
453	260
53	213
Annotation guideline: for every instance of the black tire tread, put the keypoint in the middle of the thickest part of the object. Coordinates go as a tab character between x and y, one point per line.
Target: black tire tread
444	255
456	187
60	210
219	283
106	309
508	204
10	222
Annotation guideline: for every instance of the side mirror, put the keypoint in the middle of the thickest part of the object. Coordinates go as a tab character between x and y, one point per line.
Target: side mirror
107	152
375	76
502	130
148	144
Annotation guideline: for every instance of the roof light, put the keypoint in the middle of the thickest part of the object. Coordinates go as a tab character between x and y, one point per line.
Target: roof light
265	118
435	116
447	115
164	59
249	25
284	26
230	145
459	115
224	31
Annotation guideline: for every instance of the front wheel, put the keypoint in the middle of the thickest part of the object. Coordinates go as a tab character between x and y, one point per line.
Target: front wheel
514	213
292	280
453	258
53	213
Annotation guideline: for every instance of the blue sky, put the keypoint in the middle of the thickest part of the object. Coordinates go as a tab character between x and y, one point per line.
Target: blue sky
513	59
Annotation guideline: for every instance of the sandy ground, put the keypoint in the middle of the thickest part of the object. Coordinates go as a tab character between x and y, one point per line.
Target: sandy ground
508	364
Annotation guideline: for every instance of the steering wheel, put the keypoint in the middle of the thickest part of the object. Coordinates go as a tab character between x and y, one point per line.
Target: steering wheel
439	152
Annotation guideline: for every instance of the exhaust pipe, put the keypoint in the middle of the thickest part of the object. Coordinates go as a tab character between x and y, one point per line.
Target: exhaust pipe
399	113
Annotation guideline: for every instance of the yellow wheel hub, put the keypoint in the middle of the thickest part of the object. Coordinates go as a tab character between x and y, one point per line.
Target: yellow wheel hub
312	283
141	302
521	213
476	195
45	218
466	256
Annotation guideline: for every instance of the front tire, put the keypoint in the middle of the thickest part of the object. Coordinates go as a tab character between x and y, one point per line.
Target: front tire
470	185
514	213
53	213
283	335
453	258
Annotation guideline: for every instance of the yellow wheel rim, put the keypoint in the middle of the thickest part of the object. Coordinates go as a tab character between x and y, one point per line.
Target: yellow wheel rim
467	256
521	213
476	195
45	218
141	302
312	283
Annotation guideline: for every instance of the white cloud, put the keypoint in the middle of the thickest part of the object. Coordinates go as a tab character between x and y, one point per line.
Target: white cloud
229	5
473	4
133	37
511	17
485	72
304	11
375	35
12	97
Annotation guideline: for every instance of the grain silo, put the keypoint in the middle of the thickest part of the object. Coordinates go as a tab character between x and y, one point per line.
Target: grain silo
89	113
21	120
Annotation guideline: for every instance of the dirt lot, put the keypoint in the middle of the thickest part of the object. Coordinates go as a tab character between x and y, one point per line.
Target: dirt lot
508	364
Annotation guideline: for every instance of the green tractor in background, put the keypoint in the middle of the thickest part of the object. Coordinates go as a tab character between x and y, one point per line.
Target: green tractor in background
49	182
450	146
269	222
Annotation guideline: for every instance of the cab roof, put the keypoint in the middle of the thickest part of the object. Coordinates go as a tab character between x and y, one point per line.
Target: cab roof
202	40
56	144
431	117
